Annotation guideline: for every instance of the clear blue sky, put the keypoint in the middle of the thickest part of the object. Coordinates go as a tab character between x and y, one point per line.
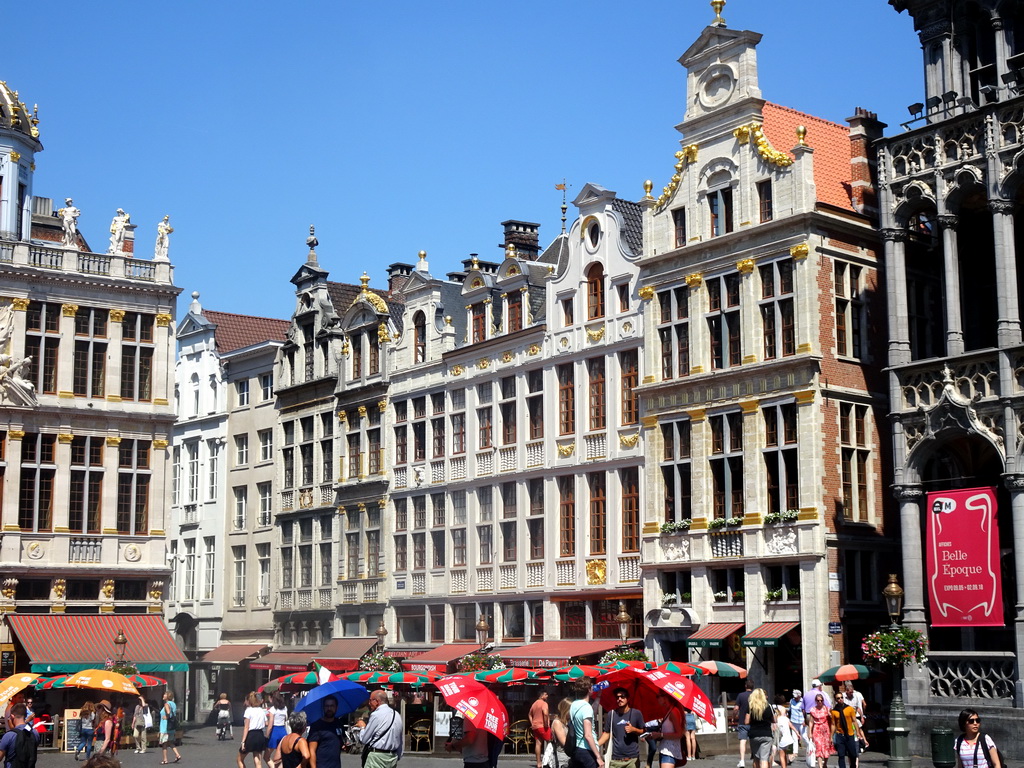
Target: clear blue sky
394	126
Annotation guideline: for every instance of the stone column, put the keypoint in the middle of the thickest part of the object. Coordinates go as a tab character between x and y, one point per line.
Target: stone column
1015	485
1002	51
896	274
951	268
910	498
163	360
805	308
1008	323
114	333
66	355
749	314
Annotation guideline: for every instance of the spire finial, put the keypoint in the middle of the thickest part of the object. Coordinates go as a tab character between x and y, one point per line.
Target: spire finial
648	186
801	135
717	6
365	280
312	242
564	206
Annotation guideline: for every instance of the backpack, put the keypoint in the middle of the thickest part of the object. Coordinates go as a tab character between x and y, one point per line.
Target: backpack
570	738
981	742
24	749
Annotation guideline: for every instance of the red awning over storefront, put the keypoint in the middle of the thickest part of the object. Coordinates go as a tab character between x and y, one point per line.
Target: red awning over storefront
438	659
231	655
768	634
713	635
284	662
63	643
555	653
343	653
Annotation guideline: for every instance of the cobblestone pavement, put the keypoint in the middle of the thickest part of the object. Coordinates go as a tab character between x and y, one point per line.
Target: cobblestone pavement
200	749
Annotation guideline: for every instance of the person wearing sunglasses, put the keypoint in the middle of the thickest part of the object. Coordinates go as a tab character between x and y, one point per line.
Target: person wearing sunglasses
624	725
973	748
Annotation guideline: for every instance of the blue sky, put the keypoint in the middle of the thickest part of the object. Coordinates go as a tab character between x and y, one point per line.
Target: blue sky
394	126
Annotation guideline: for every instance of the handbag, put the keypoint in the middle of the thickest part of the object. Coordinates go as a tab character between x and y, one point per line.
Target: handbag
811	758
548	758
147	719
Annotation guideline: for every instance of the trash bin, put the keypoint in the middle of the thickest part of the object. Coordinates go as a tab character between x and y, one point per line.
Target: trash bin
942	748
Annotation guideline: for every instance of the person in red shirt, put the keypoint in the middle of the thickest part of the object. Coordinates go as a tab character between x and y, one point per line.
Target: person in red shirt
540	724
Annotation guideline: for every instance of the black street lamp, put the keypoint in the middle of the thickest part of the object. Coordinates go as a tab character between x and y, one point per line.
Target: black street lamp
899	726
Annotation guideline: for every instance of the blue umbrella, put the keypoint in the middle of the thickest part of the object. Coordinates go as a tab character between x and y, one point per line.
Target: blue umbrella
350	697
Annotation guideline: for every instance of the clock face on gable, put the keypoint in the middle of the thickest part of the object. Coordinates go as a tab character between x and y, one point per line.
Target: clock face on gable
716	85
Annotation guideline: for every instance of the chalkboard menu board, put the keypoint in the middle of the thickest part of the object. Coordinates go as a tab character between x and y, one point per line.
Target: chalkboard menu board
72	729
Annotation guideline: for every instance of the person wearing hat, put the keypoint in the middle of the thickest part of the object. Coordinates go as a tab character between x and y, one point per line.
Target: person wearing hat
796	711
104	726
815	690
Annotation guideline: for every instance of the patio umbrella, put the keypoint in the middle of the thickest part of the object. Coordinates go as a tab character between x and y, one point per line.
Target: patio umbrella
623	663
146	681
476	703
680	668
102	680
350	697
367	676
49	683
15	684
721	668
411	678
511	675
575	672
848	672
645	685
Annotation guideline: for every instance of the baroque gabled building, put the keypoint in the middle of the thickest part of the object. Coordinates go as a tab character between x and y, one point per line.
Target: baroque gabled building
223	476
763	404
951	203
86	374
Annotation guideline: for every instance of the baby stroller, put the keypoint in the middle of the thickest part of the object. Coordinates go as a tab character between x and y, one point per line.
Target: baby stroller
224	725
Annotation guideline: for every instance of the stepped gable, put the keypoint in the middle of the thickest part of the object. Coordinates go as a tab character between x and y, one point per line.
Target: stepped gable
830	142
240	331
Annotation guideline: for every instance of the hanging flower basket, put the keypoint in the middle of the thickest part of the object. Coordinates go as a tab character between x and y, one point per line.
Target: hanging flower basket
478	662
898	647
378	662
623	654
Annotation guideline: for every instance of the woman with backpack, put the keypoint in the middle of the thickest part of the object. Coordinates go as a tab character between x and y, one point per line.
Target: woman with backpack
169	727
973	748
105	726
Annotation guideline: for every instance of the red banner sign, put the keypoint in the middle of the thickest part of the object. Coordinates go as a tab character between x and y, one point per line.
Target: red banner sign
964	588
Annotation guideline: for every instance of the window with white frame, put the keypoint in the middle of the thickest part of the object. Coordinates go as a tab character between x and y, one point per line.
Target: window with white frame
238	591
38	467
192	450
137	356
674	332
190	570
213	469
720	205
133	480
242	393
90	363
267	386
856	460
241	450
850	310
241	504
86	484
263	562
266	502
176	475
266	437
209	566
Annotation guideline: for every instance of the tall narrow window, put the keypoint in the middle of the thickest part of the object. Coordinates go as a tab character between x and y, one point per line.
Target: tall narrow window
567	516
595	292
484	427
137	356
535	403
764	200
727	465
629	375
630	482
515	312
856	461
679	225
781	457
567	313
566	400
675	470
357	357
598	513
479	322
724	320
596	382
720	209
35	500
419	324
86	486
90	364
263	559
209	567
133	487
849	309
777	318
239	558
674	332
42	345
372	352
241	505
212	470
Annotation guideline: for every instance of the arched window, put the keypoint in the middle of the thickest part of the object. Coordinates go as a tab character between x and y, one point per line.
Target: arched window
419	325
595	292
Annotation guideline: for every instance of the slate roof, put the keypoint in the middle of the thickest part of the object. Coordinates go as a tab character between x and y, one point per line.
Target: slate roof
633	226
830	142
240	331
343	294
451	300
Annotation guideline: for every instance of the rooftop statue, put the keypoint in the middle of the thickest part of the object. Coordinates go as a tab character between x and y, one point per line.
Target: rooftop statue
118	228
163	239
69	221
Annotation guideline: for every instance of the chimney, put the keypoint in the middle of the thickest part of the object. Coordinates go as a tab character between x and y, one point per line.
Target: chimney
865	129
398	276
524	235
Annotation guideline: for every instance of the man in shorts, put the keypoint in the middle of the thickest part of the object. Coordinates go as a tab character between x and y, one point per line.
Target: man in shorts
742	729
540	724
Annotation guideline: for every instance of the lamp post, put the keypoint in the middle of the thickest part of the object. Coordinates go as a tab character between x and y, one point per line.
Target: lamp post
899	727
120	642
382	632
483	631
623	619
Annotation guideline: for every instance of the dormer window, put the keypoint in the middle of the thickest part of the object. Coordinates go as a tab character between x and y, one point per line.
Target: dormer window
419	324
479	323
595	292
515	312
373	346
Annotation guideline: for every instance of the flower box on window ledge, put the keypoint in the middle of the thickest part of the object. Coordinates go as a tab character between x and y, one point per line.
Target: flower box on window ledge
721	597
737	597
779	595
679	526
721	522
779	518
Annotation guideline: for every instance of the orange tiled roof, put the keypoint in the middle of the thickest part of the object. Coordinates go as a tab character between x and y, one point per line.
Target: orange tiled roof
830	142
238	331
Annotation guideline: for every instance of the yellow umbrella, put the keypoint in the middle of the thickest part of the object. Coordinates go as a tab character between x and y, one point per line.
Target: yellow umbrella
14	684
101	679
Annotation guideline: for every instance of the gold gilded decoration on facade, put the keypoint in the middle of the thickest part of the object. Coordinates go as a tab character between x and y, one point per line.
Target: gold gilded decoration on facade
342	416
160	445
483	363
566	450
16	434
345	349
383	337
697	415
382	502
66	394
597	572
694	280
116	315
10	586
382	405
512	271
341	509
362	411
748	406
447	319
365	294
696	369
113	442
361	506
107	588
60	587
745	266
799	252
113	398
648	186
648	422
629	441
801	135
163	320
804	398
742	135
305	499
65	437
69	310
533	349
717	6
506	356
19	304
160	401
764	148
688	153
646	293
156	593
595	334
15	156
458	370
803	349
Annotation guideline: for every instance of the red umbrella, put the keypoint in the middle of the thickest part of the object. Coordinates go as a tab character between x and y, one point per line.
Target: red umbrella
146	681
476	703
623	663
721	668
511	675
575	672
645	685
48	683
680	668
